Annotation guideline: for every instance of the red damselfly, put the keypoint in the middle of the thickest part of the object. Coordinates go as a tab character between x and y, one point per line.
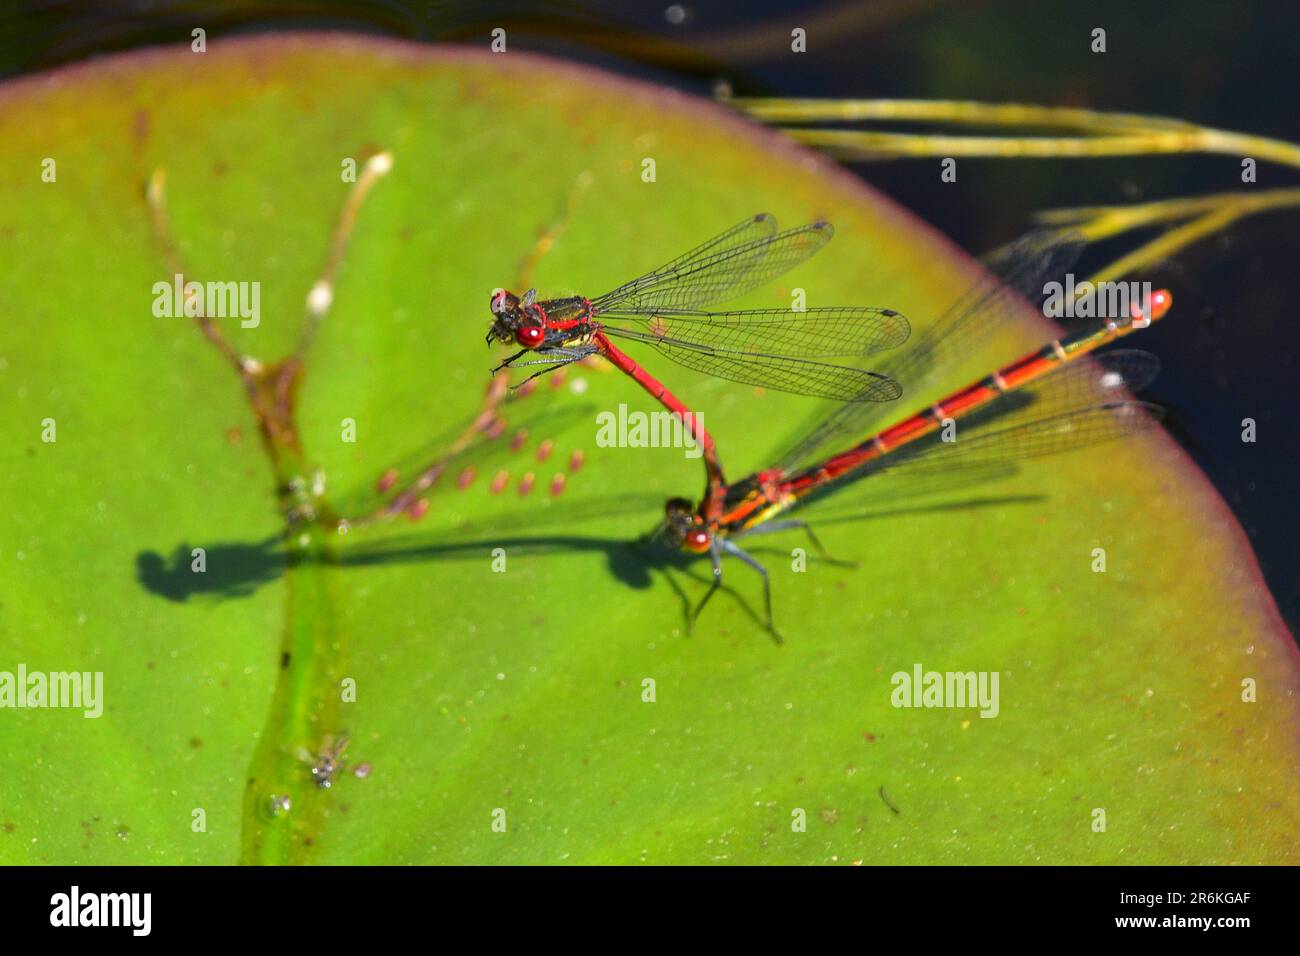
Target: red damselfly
1041	404
772	348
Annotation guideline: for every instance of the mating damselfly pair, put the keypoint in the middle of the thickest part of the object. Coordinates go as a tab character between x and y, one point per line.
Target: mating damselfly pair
1042	403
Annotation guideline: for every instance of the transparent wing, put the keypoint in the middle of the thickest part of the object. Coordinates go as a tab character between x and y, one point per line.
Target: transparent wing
1018	271
812	333
754	229
717	271
1007	444
1079	404
782	373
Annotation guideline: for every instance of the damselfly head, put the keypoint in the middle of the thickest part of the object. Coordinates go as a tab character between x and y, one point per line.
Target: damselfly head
516	321
507	316
503	302
684	528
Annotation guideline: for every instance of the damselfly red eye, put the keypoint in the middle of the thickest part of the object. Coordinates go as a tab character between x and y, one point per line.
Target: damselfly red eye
697	541
530	336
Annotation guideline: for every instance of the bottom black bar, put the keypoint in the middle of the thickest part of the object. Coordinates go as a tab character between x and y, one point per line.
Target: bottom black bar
331	906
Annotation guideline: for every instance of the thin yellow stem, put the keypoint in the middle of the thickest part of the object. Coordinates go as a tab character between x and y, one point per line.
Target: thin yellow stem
1191	221
1168	243
856	144
959	112
321	296
1166	210
156	197
1107	134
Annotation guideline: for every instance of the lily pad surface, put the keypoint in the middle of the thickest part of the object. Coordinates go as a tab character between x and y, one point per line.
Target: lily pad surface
513	672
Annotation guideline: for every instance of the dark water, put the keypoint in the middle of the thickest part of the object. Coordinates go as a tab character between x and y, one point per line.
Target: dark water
1231	354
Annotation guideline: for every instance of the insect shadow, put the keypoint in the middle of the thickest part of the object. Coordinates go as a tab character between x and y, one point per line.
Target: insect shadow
233	570
238	570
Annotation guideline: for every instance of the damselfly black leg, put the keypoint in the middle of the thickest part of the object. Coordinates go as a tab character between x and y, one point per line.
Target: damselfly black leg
509	362
516	387
553	359
791	525
731	548
715	555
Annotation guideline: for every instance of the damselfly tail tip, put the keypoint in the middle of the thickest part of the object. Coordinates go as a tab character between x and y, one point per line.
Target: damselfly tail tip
1157	306
1162	301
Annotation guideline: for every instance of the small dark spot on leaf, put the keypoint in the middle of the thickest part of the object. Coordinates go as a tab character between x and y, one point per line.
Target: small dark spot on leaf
284	660
196	743
9	827
140	126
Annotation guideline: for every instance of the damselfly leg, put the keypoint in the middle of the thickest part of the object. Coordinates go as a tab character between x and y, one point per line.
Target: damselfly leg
717	548
791	524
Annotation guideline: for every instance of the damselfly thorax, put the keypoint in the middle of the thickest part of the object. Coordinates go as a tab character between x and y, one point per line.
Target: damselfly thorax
548	324
746	504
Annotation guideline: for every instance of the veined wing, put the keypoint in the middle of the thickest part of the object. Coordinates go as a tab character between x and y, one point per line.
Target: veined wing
812	333
722	272
754	229
783	373
1062	432
1079	404
1018	271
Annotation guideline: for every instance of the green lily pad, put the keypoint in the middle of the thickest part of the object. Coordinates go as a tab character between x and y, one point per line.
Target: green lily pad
503	714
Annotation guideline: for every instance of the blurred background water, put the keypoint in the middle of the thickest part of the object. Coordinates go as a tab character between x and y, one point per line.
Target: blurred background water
1231	355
